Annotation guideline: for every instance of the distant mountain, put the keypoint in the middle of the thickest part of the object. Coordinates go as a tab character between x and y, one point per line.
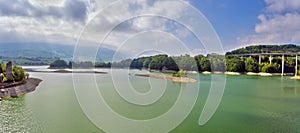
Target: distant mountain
287	48
45	50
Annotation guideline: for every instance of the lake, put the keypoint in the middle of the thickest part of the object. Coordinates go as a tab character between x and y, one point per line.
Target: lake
249	104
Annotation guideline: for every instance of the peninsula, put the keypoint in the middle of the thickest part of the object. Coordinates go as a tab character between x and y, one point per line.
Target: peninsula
15	82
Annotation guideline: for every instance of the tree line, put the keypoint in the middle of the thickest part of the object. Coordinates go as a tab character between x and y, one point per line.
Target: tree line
287	48
200	63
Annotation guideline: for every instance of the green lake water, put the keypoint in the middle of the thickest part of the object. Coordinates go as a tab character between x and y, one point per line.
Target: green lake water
250	104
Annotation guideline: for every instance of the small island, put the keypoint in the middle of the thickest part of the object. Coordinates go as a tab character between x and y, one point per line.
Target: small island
179	77
15	82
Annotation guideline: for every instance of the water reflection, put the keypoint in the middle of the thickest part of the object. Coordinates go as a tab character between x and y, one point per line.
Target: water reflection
292	90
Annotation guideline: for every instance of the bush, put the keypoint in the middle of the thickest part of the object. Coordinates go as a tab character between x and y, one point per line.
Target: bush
270	68
251	65
181	73
4	79
18	73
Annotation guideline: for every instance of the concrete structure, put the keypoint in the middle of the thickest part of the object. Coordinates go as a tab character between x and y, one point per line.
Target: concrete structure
271	58
18	90
8	72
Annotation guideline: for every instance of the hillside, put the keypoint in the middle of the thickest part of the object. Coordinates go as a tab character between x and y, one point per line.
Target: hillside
266	49
45	50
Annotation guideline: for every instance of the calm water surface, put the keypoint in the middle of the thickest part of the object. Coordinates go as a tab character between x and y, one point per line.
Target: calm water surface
250	104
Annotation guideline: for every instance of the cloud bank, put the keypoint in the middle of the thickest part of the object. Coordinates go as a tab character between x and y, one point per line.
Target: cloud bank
279	23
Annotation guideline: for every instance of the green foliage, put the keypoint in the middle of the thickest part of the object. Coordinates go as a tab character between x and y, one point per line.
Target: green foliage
270	68
266	49
146	62
157	62
217	62
289	65
99	64
122	64
59	64
138	63
235	65
18	73
170	64
186	62
4	79
251	65
28	61
203	63
181	73
3	66
83	64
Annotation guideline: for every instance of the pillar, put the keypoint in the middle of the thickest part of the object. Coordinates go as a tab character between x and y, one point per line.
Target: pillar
259	59
282	65
270	59
296	67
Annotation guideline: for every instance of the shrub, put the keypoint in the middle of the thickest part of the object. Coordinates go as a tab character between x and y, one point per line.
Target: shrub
251	65
270	68
181	73
18	73
4	79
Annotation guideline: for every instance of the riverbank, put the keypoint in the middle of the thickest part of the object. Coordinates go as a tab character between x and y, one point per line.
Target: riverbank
170	78
248	73
189	72
296	77
27	86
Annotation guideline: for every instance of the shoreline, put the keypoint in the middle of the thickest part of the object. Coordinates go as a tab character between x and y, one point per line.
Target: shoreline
189	72
296	77
248	73
29	85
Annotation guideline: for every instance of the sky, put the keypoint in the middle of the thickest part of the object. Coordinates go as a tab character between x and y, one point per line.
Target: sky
237	23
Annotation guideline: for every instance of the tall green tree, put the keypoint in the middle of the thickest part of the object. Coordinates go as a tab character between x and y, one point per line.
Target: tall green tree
251	65
235	64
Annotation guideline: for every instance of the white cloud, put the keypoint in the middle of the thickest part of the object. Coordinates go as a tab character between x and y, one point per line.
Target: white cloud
101	22
33	21
279	24
61	21
282	5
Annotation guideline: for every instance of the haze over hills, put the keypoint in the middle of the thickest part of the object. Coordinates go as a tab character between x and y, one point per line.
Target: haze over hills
45	50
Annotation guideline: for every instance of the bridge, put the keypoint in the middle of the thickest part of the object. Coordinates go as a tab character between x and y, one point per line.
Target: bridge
270	58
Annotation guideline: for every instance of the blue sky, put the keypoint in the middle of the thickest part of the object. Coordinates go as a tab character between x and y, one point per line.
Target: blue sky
237	22
231	18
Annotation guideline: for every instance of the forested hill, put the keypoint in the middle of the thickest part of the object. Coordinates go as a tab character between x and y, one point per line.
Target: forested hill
288	48
11	51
